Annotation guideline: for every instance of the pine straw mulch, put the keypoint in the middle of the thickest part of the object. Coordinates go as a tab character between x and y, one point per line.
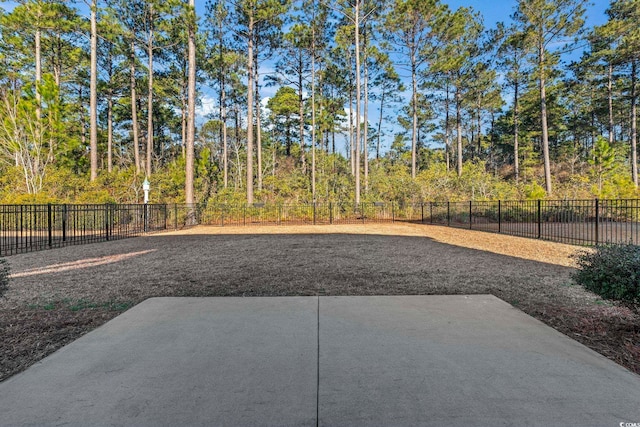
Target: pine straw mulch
56	296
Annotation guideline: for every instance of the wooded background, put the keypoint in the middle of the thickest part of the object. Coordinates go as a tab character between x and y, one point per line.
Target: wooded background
396	100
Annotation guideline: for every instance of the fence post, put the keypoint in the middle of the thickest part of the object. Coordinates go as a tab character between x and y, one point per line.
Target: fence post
499	216
175	216
597	222
21	228
362	211
314	213
112	220
431	212
144	217
330	213
165	216
539	218
106	221
393	212
64	222
244	215
49	224
422	212
470	214
448	214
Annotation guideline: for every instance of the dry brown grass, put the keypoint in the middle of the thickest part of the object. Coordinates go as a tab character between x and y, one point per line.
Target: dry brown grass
534	250
55	296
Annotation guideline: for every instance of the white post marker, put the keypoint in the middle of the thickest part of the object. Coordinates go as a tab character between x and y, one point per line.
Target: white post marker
146	187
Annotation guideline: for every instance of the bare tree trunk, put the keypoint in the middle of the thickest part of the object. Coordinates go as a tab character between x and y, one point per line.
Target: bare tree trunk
38	58
459	131
250	75
313	109
447	142
38	54
273	162
610	101
183	122
545	128
110	113
516	125
479	127
351	143
223	123
238	122
150	94
56	60
358	93
258	128
573	157
93	96
134	109
365	145
634	127
83	125
414	112
301	112
333	143
492	162
223	109
191	108
382	96
472	139
109	132
593	118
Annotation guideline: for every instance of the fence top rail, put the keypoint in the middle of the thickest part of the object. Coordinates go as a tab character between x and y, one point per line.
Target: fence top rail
96	205
305	204
379	204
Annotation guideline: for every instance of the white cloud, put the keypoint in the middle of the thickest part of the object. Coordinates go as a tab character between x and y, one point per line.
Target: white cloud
208	106
347	111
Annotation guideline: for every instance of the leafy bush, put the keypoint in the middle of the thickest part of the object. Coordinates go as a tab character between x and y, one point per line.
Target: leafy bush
4	276
611	271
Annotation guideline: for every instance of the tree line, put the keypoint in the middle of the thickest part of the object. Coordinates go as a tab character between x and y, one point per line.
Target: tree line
97	95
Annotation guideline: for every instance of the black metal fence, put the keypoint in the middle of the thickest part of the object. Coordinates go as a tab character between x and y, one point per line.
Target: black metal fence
287	214
580	222
26	228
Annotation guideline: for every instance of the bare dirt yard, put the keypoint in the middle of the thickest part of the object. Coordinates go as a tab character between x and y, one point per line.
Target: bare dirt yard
56	296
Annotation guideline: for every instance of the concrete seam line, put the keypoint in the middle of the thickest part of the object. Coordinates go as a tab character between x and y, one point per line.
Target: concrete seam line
318	364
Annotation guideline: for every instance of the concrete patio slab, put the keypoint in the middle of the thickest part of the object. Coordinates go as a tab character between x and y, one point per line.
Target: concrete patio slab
334	361
179	362
461	361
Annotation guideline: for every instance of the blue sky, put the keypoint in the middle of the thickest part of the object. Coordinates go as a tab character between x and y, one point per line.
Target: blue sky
493	11
499	10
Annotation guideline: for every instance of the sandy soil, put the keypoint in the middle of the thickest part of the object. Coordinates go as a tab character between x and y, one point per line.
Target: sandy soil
57	295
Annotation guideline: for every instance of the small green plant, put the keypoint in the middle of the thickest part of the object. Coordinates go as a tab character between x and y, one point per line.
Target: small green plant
4	276
611	271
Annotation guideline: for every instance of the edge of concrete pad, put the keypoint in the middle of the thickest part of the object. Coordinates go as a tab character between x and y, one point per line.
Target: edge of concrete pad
437	365
228	361
575	342
492	298
558	333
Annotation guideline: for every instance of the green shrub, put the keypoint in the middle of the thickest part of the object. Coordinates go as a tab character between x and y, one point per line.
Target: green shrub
4	276
611	271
